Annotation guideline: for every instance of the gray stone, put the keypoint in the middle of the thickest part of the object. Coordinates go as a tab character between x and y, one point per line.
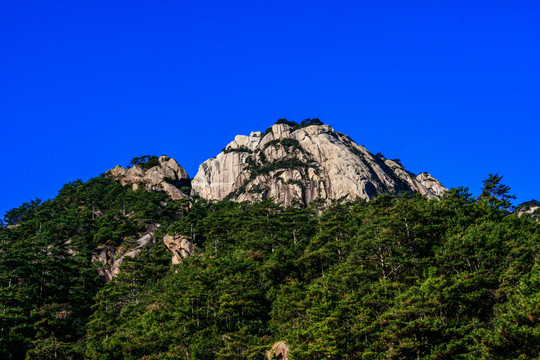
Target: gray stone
334	167
180	246
157	178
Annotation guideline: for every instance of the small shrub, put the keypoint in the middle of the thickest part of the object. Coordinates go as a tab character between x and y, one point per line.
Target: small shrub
239	149
145	161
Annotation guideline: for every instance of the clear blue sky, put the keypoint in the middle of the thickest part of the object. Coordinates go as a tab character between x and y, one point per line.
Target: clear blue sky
448	87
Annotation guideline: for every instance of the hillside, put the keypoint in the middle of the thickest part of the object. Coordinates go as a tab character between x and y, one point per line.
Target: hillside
128	266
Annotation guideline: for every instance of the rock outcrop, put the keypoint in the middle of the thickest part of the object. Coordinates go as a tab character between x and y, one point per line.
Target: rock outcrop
168	176
430	183
530	209
180	246
298	164
279	351
112	257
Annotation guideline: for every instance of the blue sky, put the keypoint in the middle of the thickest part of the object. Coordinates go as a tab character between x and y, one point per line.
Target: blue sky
448	87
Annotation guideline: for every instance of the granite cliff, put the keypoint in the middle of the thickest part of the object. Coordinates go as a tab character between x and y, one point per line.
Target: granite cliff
298	163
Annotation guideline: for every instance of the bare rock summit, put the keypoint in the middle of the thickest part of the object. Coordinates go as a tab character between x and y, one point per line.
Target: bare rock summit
298	163
166	175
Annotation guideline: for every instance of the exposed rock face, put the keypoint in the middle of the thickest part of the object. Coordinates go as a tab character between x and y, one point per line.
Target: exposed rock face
430	183
180	246
302	163
529	209
112	257
280	351
167	177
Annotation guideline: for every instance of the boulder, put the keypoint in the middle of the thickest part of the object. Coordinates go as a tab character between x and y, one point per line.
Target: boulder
279	351
180	246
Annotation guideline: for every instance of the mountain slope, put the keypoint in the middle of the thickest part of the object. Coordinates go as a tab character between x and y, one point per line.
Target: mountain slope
298	163
397	277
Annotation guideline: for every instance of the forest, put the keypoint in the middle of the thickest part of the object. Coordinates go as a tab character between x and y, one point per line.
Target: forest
399	277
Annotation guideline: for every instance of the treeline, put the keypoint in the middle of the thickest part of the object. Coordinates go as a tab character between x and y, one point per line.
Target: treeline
399	277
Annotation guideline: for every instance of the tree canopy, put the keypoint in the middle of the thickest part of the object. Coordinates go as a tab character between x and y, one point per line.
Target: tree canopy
393	278
496	193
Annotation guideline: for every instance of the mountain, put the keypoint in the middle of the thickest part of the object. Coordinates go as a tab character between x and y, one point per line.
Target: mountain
127	266
291	164
298	163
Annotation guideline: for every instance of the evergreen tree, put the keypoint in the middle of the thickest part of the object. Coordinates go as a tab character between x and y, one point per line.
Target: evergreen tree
496	194
397	277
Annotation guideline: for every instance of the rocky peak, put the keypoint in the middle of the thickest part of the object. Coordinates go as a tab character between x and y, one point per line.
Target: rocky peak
301	162
166	176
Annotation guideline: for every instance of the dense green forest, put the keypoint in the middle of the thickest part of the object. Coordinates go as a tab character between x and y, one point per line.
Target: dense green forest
399	277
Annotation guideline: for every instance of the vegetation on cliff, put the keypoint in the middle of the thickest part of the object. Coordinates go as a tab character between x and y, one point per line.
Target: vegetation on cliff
393	278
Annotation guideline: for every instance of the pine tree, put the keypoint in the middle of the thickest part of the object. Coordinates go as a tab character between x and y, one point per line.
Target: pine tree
495	193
